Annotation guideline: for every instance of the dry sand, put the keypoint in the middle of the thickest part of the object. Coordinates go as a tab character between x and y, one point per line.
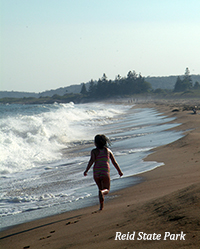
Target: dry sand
168	200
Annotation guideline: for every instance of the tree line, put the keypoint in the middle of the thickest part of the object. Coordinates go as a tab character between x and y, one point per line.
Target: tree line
103	88
133	83
186	83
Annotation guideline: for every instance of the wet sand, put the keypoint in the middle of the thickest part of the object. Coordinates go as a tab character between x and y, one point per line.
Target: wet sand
165	203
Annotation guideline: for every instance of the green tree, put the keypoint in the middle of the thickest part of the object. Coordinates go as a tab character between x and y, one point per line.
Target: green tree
178	85
185	84
83	89
102	87
187	80
130	84
104	79
196	86
142	85
92	88
132	75
187	75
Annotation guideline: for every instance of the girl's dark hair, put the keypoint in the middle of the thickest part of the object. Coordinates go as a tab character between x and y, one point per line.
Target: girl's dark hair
101	141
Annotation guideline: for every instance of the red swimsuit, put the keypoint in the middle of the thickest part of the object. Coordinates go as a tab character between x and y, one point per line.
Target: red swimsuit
102	166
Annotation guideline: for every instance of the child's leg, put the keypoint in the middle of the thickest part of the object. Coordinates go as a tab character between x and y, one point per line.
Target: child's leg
103	184
101	197
105	181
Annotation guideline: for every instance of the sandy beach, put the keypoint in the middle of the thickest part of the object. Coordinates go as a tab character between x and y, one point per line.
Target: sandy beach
160	212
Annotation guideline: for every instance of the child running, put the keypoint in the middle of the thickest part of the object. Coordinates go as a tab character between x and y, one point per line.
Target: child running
101	171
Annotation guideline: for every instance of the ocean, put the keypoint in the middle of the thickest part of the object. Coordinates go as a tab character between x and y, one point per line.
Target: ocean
44	150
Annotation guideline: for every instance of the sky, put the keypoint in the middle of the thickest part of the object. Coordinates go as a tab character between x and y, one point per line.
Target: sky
47	44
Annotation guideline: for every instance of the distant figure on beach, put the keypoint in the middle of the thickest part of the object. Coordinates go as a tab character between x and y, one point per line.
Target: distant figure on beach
195	110
101	156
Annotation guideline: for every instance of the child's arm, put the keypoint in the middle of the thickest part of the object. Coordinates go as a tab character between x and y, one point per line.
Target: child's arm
91	161
114	162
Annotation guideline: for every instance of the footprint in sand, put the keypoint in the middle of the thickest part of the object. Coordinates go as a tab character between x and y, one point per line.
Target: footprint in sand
49	236
95	212
68	223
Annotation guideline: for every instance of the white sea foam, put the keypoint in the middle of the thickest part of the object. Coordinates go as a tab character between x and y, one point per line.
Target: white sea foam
29	138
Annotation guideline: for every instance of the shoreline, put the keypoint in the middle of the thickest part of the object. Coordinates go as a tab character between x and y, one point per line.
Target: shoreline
150	206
